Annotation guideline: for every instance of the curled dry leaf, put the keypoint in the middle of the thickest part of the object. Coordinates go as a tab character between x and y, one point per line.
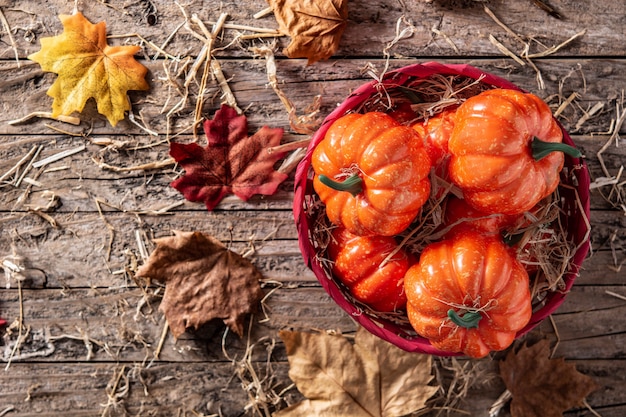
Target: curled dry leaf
315	26
203	281
540	386
88	67
232	161
368	378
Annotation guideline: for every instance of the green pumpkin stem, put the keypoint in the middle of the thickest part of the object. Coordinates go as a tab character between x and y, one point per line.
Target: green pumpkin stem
541	149
353	184
469	320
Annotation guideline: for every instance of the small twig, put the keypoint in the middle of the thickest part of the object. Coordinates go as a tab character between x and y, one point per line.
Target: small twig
131	117
556	334
591	410
616	129
401	34
143	252
109	227
554	49
28	166
228	95
19	164
589	114
540	82
505	50
157	352
66	132
7	410
113	396
547	8
290	146
46	115
265	12
205	57
244	27
147	42
88	342
20	324
58	156
260	35
616	295
502	25
566	103
6	26
46	217
502	400
306	123
167	40
604	181
445	38
143	167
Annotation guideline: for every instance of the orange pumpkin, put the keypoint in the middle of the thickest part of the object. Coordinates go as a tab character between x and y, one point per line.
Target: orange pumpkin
506	151
468	294
371	173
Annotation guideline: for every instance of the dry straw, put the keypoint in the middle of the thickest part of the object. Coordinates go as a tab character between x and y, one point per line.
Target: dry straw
554	237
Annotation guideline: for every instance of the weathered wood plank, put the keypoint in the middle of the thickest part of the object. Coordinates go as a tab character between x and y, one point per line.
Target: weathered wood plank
78	179
592	298
50	264
123	327
603	268
439	28
169	389
599	322
174	389
596	81
75	254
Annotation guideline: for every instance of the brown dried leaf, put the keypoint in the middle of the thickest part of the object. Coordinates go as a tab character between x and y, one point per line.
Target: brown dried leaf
368	378
315	26
540	386
203	281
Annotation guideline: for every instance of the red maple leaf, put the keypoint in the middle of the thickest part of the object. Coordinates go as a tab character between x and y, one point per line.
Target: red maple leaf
231	163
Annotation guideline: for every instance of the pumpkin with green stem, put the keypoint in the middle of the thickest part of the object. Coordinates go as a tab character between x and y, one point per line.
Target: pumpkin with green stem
468	293
372	174
506	151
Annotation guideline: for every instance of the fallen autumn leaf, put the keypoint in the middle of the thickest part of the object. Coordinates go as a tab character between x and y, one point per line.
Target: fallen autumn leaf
232	161
540	386
315	26
204	280
370	378
88	67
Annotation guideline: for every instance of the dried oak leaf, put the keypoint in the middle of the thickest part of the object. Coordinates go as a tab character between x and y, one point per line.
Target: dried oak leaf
540	386
368	378
232	161
89	68
315	26
203	281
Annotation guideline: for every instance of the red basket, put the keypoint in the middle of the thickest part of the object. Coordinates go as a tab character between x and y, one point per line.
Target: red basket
573	204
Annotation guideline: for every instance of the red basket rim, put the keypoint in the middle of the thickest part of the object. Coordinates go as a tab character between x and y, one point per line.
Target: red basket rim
389	331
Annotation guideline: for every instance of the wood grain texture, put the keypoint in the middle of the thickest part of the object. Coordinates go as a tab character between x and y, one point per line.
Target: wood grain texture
594	81
441	27
93	330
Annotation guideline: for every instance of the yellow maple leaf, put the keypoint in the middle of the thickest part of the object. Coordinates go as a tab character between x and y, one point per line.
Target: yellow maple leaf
89	68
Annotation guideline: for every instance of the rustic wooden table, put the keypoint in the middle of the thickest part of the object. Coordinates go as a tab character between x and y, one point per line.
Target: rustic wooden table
91	336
